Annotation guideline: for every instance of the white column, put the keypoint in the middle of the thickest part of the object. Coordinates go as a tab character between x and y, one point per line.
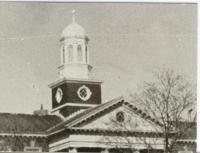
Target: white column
88	54
75	52
73	150
83	54
136	151
61	55
105	151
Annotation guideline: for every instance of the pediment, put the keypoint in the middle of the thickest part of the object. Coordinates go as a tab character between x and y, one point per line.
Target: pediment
107	117
121	118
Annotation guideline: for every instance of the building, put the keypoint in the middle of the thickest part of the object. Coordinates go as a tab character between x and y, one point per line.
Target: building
79	121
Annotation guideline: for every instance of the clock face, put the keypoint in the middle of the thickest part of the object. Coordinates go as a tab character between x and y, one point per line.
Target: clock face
59	95
84	93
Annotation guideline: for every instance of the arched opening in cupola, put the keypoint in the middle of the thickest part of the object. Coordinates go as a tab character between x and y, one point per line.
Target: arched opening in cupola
70	53
79	53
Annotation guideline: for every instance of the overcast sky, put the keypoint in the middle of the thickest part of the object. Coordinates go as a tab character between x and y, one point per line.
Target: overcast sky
128	42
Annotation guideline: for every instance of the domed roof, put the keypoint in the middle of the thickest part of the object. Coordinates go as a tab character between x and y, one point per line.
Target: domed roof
74	30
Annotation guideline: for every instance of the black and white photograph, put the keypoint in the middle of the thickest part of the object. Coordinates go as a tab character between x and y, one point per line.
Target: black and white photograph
91	77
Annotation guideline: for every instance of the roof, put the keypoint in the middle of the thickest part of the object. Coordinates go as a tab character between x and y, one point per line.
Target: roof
26	123
73	30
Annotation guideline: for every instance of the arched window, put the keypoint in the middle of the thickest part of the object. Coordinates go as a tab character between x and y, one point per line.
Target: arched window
63	54
79	53
70	53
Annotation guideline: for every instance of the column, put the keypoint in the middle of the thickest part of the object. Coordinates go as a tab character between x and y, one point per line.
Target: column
75	50
105	151
72	150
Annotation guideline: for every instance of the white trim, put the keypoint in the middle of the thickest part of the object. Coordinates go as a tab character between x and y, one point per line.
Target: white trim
186	151
136	1
22	134
186	140
57	143
52	133
30	149
73	80
60	147
99	141
73	104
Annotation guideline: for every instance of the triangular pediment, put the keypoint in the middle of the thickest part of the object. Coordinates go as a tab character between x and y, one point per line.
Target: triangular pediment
116	114
123	118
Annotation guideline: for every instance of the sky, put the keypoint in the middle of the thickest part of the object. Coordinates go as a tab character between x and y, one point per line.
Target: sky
128	42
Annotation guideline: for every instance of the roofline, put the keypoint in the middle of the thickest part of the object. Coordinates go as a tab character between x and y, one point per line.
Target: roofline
74	80
103	131
113	131
117	100
55	132
73	104
23	134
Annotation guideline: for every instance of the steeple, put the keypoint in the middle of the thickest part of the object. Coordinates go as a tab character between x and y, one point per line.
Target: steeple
74	90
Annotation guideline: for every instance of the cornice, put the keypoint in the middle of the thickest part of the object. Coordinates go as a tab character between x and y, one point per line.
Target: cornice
73	80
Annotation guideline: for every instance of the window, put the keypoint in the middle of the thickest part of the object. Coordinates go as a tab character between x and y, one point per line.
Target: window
120	117
79	53
70	53
63	56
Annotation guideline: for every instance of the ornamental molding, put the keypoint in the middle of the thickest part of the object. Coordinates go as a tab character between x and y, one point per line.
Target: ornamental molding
84	93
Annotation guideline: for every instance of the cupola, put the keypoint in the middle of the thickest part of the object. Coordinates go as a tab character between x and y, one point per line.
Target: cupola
74	52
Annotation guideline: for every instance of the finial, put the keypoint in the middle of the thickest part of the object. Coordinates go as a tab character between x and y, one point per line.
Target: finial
73	16
41	107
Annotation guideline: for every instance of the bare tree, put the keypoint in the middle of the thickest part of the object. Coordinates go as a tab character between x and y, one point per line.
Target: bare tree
166	104
170	100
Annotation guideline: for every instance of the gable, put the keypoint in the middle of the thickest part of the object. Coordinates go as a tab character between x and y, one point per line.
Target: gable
104	117
112	120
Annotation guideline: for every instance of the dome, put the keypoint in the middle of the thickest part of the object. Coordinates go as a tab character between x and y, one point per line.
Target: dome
74	30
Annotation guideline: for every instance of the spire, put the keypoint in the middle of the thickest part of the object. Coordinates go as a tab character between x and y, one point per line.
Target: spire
41	107
73	16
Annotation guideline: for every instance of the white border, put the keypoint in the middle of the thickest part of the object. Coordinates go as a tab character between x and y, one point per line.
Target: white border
73	104
198	85
143	1
153	1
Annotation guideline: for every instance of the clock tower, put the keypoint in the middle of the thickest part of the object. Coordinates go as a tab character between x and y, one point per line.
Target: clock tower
74	90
